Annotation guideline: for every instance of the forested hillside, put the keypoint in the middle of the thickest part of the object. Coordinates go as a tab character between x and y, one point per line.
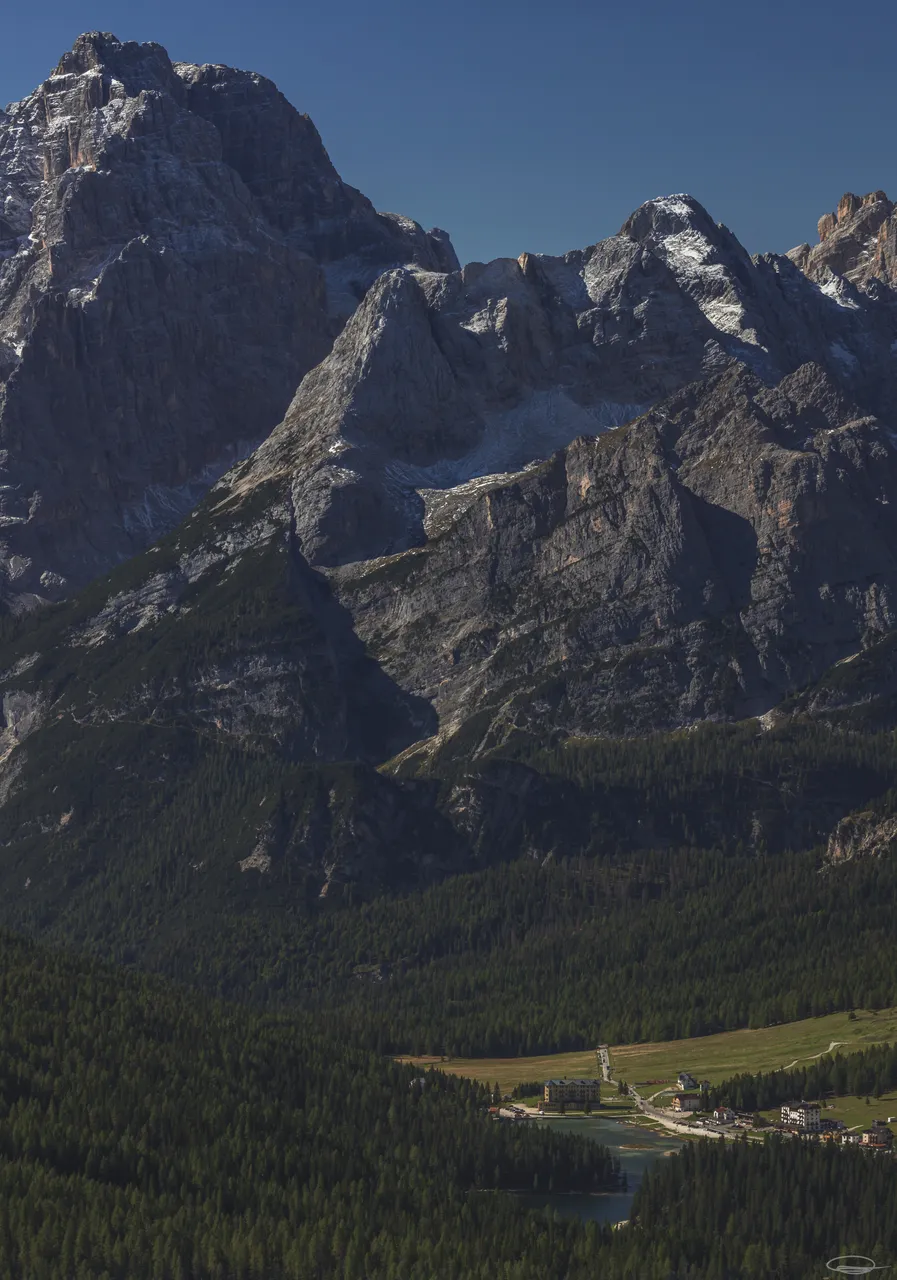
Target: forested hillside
147	1132
595	871
781	1210
526	959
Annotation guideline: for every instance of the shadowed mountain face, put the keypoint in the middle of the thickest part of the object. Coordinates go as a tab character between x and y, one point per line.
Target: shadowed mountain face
632	489
176	251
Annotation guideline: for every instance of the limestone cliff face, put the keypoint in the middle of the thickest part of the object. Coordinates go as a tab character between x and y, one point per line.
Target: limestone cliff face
858	242
454	532
637	487
701	563
166	234
861	835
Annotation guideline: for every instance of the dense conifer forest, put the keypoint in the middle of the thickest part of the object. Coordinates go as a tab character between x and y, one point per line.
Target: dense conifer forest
254	1126
548	951
731	1210
149	1131
526	958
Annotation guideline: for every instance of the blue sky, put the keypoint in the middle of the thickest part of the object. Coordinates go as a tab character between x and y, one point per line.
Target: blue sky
541	124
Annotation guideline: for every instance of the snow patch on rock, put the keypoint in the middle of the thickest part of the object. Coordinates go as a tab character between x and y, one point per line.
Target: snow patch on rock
518	438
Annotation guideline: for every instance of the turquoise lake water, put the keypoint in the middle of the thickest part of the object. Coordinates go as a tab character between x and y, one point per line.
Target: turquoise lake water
636	1149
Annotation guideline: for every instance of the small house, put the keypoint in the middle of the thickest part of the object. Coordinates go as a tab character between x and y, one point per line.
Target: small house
879	1136
686	1102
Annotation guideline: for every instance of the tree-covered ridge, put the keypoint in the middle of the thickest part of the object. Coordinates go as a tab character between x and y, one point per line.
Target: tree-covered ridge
135	852
869	1072
547	952
728	1211
164	842
146	1131
527	958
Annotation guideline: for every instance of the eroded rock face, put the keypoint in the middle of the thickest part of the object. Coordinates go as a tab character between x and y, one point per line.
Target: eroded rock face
858	242
861	835
628	490
279	155
698	564
461	539
505	556
166	233
701	563
441	380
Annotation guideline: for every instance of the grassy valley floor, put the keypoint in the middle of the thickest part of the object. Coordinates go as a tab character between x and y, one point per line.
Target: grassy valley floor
653	1068
714	1058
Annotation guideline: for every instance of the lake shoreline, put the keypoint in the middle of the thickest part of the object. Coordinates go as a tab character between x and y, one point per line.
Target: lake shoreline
636	1156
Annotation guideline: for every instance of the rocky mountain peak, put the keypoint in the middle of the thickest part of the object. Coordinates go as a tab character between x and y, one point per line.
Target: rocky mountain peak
442	382
667	215
137	67
279	155
709	265
176	251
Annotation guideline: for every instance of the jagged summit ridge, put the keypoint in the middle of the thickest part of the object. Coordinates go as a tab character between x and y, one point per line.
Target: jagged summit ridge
442	379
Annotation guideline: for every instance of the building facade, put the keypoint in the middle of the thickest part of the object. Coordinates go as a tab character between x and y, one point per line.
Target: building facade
879	1136
803	1115
577	1092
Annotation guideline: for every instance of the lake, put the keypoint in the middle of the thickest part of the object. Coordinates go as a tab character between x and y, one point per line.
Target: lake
636	1149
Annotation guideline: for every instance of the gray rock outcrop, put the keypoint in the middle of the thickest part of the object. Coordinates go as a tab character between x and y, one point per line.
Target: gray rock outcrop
631	489
698	564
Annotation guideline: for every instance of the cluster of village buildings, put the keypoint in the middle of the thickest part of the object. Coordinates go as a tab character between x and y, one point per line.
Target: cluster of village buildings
805	1119
800	1118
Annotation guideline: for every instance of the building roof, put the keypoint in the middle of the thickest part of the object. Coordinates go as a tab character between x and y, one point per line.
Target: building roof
574	1080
